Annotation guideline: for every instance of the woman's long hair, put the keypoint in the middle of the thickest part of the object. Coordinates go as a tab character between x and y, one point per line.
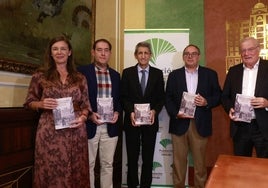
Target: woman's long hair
49	66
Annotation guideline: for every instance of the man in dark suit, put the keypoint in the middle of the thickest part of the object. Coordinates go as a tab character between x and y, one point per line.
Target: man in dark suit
191	132
144	135
249	78
103	82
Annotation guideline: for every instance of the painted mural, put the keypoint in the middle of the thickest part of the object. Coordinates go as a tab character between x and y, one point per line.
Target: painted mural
28	25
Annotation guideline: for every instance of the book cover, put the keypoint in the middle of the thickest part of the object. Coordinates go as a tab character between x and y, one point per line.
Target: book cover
105	109
187	104
64	113
244	111
142	114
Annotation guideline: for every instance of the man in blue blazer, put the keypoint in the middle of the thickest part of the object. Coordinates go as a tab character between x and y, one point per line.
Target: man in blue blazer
191	132
141	135
103	82
249	78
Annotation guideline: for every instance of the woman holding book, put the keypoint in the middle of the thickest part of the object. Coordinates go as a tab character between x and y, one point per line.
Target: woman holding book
61	155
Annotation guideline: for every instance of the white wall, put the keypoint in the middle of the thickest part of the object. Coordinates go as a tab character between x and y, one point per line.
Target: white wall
13	89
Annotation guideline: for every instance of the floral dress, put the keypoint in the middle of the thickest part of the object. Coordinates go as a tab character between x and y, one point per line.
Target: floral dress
61	156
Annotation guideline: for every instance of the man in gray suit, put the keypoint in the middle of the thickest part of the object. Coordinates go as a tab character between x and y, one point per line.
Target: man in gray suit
249	78
145	135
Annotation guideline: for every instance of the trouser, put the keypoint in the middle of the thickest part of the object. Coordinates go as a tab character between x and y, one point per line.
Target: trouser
106	146
191	140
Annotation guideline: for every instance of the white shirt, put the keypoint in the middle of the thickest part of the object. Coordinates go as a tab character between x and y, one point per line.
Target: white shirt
191	80
249	80
146	73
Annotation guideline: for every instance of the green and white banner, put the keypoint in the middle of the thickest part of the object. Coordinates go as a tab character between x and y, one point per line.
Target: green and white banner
167	46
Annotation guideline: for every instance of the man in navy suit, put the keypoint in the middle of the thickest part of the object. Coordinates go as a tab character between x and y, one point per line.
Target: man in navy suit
249	78
141	135
191	132
103	82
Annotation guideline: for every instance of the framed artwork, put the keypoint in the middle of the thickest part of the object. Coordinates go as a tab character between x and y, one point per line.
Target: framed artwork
28	25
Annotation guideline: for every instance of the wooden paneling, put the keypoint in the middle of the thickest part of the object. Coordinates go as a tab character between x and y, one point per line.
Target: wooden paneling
17	135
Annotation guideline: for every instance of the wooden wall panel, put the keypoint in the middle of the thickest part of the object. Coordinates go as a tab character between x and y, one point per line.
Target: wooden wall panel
17	137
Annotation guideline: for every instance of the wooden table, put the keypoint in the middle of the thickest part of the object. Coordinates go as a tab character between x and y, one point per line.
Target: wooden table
239	172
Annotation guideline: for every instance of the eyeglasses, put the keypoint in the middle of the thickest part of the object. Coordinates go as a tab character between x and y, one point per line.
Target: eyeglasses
249	50
188	54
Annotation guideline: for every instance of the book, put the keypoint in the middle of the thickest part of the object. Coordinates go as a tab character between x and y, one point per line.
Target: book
142	114
64	113
105	109
187	106
244	111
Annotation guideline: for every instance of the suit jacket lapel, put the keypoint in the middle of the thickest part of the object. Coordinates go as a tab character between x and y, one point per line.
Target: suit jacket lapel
149	80
136	78
180	80
239	79
94	83
260	75
199	81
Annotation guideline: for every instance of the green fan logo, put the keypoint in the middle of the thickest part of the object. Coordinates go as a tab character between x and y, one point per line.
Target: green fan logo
160	46
156	165
165	142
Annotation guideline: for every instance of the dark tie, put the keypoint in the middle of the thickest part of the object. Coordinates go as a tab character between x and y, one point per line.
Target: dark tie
143	81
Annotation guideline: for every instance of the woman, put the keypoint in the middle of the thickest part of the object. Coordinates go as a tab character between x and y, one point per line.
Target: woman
61	156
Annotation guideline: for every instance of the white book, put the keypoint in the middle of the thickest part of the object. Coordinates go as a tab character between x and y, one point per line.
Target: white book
187	104
64	113
142	114
105	109
244	111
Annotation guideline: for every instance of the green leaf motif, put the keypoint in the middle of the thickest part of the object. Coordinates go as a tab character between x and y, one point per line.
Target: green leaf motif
160	46
165	142
156	165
